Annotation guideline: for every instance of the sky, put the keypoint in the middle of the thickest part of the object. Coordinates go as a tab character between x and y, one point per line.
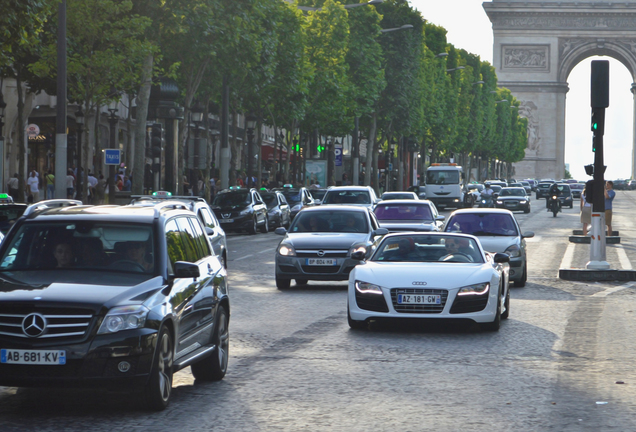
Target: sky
469	28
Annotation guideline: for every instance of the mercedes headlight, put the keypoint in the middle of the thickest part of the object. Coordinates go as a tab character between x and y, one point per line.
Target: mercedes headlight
286	250
513	251
368	288
477	289
297	207
245	212
124	318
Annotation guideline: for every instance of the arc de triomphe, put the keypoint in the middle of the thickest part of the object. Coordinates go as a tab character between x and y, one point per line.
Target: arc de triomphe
536	45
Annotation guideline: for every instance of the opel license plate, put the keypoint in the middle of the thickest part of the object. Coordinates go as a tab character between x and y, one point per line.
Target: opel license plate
35	357
419	299
321	262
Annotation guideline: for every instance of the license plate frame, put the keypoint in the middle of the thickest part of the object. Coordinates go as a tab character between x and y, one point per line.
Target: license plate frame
329	262
33	357
419	299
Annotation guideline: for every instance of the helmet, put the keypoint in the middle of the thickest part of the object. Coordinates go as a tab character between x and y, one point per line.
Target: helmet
487	185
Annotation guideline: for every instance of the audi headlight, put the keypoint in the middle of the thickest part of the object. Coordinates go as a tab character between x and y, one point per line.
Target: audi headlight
477	289
358	248
124	318
368	288
513	251
286	250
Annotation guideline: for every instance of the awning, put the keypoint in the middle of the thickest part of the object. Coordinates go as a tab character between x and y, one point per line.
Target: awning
267	152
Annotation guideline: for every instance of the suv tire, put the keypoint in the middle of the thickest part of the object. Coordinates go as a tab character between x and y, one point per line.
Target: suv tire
265	226
214	367
159	387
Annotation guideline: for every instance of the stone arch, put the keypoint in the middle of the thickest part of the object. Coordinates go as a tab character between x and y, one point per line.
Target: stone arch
537	43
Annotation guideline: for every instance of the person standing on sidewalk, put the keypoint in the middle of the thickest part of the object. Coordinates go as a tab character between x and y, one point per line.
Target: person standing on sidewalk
609	198
33	190
586	210
13	187
50	185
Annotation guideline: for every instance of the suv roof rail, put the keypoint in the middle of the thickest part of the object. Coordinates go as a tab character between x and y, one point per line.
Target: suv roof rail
170	205
53	203
135	198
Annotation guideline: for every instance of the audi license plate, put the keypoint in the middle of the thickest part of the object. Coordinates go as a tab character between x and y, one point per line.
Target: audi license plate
226	220
321	262
419	299
35	357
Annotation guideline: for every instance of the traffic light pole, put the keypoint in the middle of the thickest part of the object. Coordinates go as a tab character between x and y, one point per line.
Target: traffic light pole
599	101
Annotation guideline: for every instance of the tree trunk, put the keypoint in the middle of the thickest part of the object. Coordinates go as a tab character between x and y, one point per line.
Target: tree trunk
143	98
21	138
235	157
369	163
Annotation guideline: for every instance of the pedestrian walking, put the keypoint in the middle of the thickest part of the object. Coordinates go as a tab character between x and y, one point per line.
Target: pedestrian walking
33	189
586	210
70	184
609	199
92	182
100	189
212	188
13	185
50	185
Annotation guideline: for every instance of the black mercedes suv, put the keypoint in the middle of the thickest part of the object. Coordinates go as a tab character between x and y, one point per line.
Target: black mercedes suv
116	297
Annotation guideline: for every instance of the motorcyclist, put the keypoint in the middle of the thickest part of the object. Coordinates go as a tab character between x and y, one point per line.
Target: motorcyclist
554	191
487	193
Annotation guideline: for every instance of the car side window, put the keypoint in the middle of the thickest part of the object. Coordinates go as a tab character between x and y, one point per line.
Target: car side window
188	240
206	218
374	221
200	238
173	241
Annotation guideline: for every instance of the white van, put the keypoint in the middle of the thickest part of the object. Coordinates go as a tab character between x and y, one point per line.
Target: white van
445	185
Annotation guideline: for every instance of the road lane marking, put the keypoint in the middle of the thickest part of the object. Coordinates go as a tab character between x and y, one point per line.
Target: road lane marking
622	257
613	290
566	262
267	250
243	257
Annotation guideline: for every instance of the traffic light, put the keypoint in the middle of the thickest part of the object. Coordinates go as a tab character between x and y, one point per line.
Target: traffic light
297	147
156	135
71	142
598	121
320	148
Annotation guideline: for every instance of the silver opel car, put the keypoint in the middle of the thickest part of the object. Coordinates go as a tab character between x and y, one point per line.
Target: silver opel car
320	241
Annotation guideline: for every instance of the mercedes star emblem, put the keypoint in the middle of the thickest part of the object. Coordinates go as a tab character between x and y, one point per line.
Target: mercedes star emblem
34	325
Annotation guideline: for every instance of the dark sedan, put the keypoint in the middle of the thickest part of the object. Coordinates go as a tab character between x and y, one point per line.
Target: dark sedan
513	199
320	241
241	209
408	215
278	210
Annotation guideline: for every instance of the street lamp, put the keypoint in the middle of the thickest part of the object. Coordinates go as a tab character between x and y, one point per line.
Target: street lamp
404	27
457	68
250	124
3	105
113	119
444	54
197	118
79	120
478	82
501	101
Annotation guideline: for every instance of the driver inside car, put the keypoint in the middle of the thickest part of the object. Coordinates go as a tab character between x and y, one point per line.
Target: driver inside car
455	247
136	251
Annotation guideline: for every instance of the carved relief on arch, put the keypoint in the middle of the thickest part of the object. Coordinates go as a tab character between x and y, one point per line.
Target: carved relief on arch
528	110
525	58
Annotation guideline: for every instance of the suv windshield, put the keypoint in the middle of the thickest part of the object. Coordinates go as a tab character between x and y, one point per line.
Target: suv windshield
292	196
442	177
83	245
347	197
232	199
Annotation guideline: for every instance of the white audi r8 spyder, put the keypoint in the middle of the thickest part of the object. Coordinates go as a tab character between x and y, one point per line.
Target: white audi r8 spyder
429	276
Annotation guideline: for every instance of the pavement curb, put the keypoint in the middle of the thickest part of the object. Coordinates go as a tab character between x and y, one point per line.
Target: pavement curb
587	239
580	233
597	275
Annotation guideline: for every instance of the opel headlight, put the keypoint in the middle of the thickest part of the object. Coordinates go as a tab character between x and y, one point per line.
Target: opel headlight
477	289
124	318
358	248
513	251
286	250
368	288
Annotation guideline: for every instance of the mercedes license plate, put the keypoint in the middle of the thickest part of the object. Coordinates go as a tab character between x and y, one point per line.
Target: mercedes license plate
35	357
226	220
419	299
321	262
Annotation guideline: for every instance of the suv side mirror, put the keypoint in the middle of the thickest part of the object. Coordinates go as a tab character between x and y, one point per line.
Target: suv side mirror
184	269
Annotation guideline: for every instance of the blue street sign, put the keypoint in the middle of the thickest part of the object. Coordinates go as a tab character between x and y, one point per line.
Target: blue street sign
390	167
112	157
338	152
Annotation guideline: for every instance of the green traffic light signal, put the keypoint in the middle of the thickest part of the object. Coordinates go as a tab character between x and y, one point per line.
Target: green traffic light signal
320	149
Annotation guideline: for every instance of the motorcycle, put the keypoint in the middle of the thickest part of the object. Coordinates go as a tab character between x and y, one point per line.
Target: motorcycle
554	205
486	202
